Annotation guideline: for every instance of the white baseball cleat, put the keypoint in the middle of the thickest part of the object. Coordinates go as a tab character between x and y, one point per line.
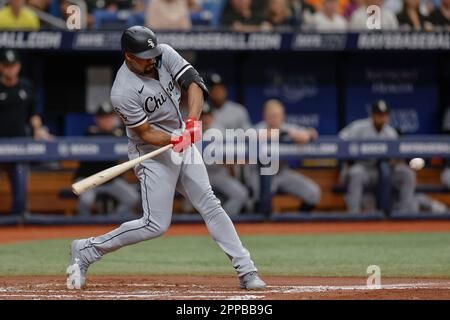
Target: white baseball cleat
75	280
251	281
77	267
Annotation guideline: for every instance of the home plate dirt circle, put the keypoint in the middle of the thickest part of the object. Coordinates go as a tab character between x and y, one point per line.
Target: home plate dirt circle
221	288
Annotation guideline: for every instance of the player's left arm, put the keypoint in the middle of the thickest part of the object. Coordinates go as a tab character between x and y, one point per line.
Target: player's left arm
191	82
187	78
195	101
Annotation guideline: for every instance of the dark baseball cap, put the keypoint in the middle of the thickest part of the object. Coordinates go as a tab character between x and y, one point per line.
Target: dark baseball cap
380	106
104	109
214	79
9	57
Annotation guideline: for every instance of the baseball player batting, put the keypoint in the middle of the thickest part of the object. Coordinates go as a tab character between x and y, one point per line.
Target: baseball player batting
146	95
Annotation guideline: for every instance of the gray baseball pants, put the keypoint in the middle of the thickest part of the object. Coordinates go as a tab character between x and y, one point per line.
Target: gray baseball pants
235	192
159	177
360	175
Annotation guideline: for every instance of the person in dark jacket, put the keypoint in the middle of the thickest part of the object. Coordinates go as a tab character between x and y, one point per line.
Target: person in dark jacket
19	119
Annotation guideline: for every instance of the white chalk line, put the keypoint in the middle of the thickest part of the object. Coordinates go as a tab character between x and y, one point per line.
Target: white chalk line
10	292
131	296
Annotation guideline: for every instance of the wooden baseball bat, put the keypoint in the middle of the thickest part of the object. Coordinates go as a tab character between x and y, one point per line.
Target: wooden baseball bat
101	177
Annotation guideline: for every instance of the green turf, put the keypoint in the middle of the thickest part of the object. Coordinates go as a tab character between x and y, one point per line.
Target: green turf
407	254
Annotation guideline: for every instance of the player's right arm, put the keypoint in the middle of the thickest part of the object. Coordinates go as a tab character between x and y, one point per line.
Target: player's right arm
154	137
135	119
161	138
129	109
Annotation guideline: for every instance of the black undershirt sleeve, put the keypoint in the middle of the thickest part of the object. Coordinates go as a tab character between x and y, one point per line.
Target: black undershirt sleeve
189	76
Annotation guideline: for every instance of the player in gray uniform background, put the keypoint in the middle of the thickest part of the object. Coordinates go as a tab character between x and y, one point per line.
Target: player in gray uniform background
124	193
222	181
364	173
146	94
288	180
228	114
445	176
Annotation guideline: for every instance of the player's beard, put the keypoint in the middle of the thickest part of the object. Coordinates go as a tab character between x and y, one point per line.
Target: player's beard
148	70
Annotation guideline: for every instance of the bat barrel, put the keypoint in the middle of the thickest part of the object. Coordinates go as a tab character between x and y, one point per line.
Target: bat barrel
110	173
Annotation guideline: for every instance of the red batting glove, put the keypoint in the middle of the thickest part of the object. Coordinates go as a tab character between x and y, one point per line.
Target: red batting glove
194	127
181	143
191	134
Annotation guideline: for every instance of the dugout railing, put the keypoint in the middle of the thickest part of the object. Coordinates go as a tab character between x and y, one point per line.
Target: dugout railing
21	151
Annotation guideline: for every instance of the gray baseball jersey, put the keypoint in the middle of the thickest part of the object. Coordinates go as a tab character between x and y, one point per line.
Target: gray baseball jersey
363	173
137	100
290	181
232	115
364	129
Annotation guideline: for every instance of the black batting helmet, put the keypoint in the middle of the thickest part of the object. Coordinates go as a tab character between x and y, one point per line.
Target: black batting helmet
141	42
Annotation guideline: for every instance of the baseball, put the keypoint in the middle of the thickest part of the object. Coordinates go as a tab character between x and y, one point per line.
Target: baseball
417	163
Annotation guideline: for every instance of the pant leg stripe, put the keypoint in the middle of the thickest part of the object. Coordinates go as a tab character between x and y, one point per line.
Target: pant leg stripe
94	244
144	226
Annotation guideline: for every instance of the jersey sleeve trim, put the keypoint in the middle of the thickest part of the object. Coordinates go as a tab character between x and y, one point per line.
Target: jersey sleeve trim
183	70
138	123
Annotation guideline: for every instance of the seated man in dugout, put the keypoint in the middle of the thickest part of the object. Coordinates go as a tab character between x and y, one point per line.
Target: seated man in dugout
230	190
288	180
125	193
365	172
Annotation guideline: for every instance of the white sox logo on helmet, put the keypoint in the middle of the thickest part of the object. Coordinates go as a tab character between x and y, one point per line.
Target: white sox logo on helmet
151	43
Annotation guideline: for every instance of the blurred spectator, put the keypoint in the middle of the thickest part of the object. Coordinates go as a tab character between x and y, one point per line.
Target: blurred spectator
440	17
318	5
394	5
279	15
223	183
358	21
42	5
110	14
19	118
240	16
227	114
168	15
365	173
351	7
302	11
327	19
287	180
206	12
410	17
126	195
14	16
